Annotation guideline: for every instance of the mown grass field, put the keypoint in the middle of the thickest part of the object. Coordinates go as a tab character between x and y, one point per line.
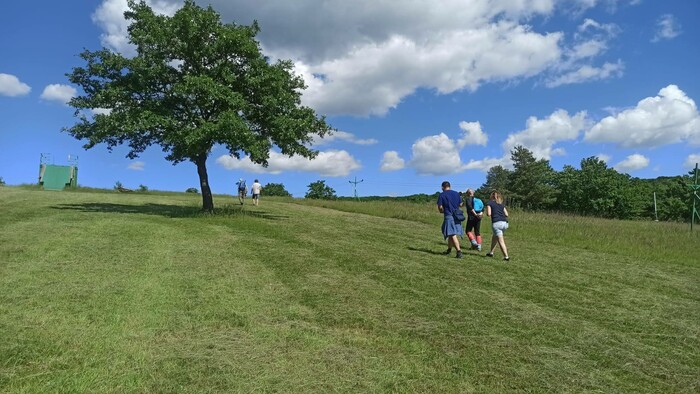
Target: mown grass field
108	292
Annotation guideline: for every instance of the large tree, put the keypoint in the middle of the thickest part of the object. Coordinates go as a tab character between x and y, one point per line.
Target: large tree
194	82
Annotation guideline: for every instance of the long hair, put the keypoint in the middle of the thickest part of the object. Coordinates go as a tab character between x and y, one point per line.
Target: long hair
496	196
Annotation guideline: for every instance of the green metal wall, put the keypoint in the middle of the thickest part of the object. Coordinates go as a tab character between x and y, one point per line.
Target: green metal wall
53	177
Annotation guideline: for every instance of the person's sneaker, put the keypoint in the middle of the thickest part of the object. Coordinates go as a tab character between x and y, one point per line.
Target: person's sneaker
448	251
478	247
506	258
459	254
489	254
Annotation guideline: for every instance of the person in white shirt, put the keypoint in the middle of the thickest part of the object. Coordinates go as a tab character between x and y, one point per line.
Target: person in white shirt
255	191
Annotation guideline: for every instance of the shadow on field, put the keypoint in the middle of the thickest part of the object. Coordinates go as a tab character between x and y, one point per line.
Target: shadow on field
171	211
424	250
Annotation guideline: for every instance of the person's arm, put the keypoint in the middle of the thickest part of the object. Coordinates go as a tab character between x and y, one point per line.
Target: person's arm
488	210
441	209
505	211
470	206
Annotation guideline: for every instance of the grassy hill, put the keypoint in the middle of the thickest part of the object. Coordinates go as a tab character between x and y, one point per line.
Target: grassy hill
108	292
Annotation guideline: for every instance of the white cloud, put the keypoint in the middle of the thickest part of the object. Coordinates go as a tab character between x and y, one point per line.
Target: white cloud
668	118
101	111
59	93
541	135
342	136
436	155
12	86
603	157
110	17
485	164
472	134
691	160
588	73
136	166
364	57
391	161
667	27
632	163
328	163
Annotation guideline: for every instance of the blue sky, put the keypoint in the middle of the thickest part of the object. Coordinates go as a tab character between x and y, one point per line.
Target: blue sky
419	92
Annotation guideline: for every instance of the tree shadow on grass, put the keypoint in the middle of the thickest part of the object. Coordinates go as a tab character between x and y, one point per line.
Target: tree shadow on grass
171	211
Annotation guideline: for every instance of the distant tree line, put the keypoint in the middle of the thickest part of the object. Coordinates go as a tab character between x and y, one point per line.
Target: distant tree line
594	189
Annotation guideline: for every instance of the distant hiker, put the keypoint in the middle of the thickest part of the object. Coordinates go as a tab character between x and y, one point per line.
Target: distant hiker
499	223
255	191
448	202
242	190
475	211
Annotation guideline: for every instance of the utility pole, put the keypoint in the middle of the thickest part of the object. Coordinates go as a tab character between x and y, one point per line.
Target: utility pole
695	187
354	187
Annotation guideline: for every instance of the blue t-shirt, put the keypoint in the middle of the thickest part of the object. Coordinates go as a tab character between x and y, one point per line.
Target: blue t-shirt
498	213
449	199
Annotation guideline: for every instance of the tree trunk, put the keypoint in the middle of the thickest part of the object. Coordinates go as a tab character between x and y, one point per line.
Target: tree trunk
207	200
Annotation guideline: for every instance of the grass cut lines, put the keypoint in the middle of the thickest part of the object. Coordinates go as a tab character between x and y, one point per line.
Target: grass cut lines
109	292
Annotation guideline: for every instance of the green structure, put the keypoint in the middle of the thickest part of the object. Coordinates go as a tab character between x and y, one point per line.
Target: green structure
696	198
53	177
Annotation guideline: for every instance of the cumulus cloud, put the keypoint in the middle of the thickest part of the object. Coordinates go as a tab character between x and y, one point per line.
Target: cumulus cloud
110	16
667	27
632	163
363	58
668	118
436	155
691	160
486	163
342	136
59	93
472	134
328	163
541	135
603	157
391	161
11	86
136	166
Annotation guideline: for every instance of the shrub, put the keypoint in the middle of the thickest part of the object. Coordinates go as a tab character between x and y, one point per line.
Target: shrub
118	186
192	190
143	188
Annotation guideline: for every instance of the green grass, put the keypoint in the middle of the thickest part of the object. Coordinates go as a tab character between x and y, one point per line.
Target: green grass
140	292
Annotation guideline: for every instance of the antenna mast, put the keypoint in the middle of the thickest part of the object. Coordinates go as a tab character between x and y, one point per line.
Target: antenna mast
354	187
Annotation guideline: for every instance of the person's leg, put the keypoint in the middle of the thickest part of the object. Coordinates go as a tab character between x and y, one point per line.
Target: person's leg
494	243
470	235
455	242
449	246
477	232
502	244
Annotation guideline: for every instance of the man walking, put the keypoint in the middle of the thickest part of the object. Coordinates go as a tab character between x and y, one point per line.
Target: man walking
449	201
255	191
242	190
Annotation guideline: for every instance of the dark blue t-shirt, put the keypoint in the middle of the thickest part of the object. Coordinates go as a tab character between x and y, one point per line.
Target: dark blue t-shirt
449	199
498	213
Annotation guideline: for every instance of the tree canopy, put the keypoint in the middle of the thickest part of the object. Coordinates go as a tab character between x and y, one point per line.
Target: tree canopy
319	190
594	189
194	83
276	189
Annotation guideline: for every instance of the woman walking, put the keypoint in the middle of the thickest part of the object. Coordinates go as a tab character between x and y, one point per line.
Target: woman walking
499	223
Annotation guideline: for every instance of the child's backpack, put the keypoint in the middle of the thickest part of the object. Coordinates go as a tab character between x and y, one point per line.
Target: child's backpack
241	186
478	205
